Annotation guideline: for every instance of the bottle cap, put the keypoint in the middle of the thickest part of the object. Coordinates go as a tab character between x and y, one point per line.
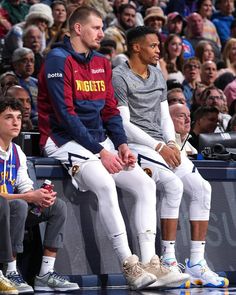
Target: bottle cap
47	181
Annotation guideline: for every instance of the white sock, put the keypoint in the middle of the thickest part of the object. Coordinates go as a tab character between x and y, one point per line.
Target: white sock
11	267
47	265
197	250
147	246
168	251
121	246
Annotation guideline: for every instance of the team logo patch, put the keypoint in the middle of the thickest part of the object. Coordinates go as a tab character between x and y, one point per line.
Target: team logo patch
75	169
148	171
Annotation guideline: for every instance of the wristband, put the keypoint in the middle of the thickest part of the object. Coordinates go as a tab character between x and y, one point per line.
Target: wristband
161	147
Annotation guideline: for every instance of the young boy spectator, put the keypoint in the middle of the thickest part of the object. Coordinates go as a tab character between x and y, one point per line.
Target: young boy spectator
19	198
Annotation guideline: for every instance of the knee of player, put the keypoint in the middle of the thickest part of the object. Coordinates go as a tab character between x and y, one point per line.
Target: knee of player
173	192
106	185
174	187
147	185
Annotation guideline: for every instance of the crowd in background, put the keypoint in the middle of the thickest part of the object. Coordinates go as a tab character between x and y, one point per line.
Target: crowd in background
197	49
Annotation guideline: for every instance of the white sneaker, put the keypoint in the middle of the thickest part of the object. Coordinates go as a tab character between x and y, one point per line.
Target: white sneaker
173	265
136	277
53	282
202	276
18	282
166	277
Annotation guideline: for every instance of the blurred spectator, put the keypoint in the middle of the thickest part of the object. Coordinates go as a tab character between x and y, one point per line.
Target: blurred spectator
194	32
175	24
223	19
57	31
7	80
173	58
214	97
17	10
196	98
204	51
230	93
5	24
205	120
233	29
116	4
40	15
126	21
208	73
20	93
32	38
176	95
205	9
232	123
23	64
191	71
155	18
183	7
145	5
229	55
109	44
103	6
223	80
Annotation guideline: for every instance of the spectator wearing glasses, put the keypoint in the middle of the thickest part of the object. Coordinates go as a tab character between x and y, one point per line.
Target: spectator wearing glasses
191	71
214	97
23	64
176	95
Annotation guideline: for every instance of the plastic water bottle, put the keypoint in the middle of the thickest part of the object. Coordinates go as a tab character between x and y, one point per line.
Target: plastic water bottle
37	210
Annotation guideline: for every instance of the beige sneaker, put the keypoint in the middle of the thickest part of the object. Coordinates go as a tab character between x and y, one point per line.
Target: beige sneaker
166	277
5	286
137	278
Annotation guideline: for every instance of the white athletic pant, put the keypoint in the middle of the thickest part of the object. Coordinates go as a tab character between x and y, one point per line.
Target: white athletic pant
93	176
171	184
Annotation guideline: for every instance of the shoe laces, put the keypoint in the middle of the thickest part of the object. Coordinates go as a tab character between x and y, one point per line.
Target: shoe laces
177	267
159	265
174	266
15	278
134	270
58	277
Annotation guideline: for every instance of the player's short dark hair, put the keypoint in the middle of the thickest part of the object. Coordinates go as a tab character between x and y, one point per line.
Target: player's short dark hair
81	15
135	34
10	102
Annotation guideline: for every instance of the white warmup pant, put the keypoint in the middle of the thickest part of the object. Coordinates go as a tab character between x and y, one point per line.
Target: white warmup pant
172	183
93	176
